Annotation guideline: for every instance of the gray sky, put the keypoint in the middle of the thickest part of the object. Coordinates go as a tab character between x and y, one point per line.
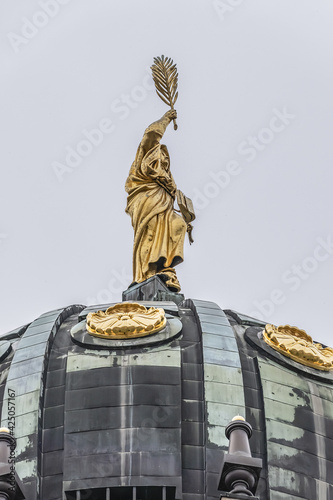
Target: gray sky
253	150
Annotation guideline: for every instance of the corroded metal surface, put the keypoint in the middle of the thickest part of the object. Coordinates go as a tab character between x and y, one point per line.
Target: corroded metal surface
26	381
153	417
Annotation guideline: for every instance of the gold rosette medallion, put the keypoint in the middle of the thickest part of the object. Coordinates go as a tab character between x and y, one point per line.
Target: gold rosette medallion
299	346
126	320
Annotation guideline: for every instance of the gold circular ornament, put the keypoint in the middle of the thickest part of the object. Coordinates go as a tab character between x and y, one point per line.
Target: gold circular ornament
299	346
126	320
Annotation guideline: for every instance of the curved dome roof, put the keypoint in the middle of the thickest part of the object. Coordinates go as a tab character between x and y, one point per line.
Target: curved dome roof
148	420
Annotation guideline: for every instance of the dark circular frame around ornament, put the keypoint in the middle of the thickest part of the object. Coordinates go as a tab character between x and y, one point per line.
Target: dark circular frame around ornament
254	337
82	337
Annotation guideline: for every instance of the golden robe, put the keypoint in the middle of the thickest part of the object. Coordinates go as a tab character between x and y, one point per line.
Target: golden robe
158	231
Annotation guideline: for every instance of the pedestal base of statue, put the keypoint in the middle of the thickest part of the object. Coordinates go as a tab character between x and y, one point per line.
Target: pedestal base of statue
152	289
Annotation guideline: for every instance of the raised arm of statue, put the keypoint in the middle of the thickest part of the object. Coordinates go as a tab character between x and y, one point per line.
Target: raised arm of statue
154	133
152	159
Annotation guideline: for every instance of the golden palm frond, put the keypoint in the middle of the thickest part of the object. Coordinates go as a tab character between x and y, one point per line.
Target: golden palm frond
165	77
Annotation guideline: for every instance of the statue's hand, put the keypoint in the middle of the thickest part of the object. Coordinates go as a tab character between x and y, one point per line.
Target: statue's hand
171	114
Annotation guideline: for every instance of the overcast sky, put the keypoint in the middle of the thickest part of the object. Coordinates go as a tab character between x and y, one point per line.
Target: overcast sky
253	150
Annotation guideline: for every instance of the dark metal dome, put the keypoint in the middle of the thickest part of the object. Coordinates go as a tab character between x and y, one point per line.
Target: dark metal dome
148	421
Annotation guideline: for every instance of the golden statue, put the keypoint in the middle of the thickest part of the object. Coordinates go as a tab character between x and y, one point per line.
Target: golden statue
299	346
158	230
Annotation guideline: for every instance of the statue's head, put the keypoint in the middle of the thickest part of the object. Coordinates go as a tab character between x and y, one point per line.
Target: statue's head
165	158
